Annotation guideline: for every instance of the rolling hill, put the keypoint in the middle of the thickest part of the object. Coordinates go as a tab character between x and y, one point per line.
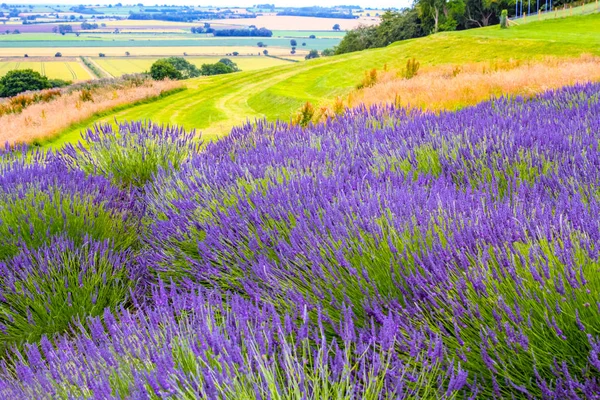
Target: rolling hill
215	104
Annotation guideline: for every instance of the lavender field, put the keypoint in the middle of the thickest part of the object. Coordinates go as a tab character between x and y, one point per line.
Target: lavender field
386	253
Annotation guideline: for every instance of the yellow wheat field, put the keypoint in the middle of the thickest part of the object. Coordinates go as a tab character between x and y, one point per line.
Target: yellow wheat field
451	87
44	120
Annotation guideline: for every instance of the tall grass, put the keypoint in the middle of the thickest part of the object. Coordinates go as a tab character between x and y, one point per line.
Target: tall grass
43	120
452	87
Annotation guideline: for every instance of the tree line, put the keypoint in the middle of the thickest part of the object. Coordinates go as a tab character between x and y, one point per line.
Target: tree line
424	18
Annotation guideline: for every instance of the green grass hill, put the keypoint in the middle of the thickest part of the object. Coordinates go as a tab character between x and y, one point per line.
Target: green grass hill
214	104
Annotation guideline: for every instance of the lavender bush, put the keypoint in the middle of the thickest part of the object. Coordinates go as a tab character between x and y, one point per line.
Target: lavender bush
44	290
480	226
133	154
40	198
386	253
198	346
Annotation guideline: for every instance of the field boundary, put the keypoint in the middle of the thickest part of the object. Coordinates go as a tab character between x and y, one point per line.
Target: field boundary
48	141
94	68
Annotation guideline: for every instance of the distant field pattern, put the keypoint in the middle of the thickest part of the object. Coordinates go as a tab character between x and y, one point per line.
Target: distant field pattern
67	70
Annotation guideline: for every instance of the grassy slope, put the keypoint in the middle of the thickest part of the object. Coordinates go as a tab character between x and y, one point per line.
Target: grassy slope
216	104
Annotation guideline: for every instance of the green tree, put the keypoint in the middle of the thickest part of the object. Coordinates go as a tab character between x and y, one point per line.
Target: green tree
336	27
397	26
22	80
504	19
162	69
186	68
293	43
215	69
312	54
229	63
327	52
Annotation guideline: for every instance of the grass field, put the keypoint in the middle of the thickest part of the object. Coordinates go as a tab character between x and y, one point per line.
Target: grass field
117	66
216	104
67	70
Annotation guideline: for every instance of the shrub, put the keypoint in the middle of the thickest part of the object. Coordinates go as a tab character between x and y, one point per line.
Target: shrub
229	63
312	54
412	68
41	199
86	95
478	226
305	115
133	154
215	69
58	54
369	80
163	69
22	80
197	345
45	291
504	19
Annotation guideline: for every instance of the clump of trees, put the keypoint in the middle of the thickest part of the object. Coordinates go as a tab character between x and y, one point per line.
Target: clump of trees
177	68
24	80
312	54
260	32
88	26
62	29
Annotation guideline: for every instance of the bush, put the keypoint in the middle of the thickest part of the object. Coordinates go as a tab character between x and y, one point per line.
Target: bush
46	291
312	54
58	54
132	155
59	83
173	68
18	81
42	199
327	53
215	69
229	63
412	68
504	19
163	69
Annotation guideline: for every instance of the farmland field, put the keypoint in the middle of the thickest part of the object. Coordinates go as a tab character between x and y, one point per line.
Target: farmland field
117	66
67	70
143	51
319	44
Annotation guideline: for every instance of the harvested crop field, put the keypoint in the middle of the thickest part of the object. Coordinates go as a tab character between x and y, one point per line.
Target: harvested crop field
67	70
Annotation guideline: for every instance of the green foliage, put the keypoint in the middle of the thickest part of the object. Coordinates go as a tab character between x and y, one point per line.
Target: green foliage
229	63
59	83
31	219
504	19
162	69
173	68
186	68
394	26
50	290
370	79
305	115
215	69
412	68
327	52
19	81
312	54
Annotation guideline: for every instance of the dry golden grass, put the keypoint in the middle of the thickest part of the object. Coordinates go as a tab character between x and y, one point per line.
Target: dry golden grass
44	120
450	87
